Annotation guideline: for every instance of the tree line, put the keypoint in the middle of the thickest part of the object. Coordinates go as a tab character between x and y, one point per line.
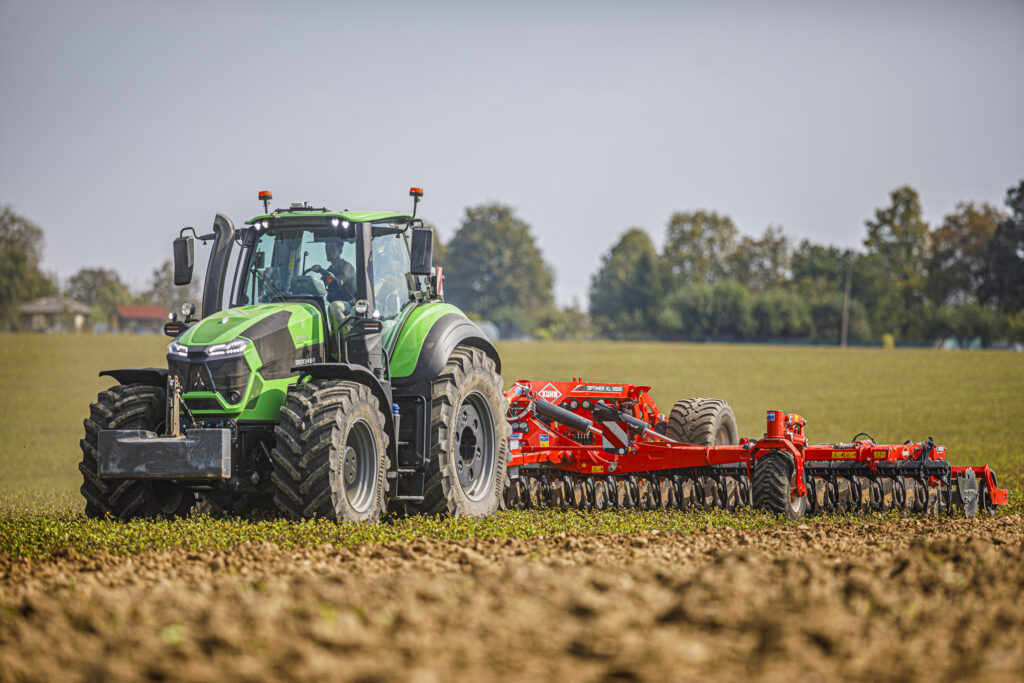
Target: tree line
963	277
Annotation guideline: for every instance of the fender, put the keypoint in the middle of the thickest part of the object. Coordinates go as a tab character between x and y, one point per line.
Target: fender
360	375
448	331
153	377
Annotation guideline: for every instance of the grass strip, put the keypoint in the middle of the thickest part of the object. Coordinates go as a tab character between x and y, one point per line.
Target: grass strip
33	535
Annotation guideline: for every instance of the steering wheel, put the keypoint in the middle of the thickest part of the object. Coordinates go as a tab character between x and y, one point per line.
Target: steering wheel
330	277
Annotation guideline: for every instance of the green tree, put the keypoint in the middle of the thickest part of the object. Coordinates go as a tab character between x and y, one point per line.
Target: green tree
687	311
875	285
898	236
761	263
732	310
100	288
563	323
21	280
163	292
626	292
827	316
956	255
698	245
779	313
974	320
818	267
1003	281
495	270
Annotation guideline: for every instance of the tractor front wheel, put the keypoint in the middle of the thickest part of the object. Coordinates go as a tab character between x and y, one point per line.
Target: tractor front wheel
330	459
128	406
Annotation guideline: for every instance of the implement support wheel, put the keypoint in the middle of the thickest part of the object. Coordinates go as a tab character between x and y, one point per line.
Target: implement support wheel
774	479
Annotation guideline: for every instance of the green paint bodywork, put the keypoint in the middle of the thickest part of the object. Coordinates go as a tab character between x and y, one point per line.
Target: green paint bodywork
413	332
262	398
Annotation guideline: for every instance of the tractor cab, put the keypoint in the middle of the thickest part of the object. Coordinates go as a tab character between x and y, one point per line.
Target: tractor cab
355	268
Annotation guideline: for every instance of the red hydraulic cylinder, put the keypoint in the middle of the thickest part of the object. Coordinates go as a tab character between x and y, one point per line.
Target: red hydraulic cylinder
776	425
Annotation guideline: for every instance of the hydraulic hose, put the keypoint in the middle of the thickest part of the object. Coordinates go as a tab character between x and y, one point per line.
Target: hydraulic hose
563	416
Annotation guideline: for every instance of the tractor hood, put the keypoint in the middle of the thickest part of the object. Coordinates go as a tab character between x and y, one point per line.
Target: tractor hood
228	358
251	322
283	334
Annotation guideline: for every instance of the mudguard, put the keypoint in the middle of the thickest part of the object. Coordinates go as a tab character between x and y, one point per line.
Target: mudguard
448	331
153	377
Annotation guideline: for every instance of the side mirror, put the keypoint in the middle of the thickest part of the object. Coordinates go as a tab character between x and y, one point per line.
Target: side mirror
422	251
184	260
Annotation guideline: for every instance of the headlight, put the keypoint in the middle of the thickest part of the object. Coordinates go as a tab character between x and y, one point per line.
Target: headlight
176	349
231	348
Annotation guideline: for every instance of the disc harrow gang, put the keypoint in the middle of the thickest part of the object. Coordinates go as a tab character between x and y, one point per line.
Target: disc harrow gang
601	446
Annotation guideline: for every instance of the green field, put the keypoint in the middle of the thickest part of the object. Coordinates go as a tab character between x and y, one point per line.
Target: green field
973	402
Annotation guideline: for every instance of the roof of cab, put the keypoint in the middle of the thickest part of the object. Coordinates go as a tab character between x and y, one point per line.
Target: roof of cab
354	216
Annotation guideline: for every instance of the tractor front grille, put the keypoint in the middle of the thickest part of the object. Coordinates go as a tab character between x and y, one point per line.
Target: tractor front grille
223	375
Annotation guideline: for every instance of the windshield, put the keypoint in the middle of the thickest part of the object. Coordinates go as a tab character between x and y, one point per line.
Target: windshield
390	275
301	263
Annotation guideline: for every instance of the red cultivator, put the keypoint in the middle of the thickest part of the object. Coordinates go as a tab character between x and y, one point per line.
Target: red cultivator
597	446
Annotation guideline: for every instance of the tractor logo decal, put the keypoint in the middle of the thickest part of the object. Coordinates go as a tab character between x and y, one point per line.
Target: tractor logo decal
550	393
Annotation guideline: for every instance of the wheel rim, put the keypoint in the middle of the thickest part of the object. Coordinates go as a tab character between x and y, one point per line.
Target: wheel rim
794	499
359	466
474	447
722	436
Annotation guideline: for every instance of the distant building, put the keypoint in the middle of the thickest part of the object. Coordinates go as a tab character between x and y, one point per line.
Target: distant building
138	320
54	314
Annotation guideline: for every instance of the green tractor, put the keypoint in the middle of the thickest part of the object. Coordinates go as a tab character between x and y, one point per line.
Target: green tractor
326	378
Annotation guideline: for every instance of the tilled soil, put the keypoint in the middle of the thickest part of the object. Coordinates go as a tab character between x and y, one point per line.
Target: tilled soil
904	600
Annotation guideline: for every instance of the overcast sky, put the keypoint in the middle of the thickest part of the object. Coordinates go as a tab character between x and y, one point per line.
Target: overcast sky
121	122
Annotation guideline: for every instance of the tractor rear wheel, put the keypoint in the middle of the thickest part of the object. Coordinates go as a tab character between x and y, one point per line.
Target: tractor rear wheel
330	459
127	406
469	438
774	478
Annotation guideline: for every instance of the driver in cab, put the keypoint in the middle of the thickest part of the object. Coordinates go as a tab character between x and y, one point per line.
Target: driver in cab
339	277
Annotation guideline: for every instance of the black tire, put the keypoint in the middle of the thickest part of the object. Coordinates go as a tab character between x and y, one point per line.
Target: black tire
773	480
248	506
466	471
330	456
703	422
128	406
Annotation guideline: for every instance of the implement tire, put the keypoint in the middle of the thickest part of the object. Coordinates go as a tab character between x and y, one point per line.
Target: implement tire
469	438
127	406
773	480
706	422
703	422
330	456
